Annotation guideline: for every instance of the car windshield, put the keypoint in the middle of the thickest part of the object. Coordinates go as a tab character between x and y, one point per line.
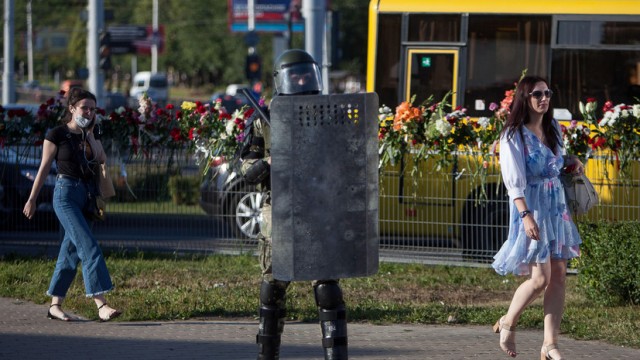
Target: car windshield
158	82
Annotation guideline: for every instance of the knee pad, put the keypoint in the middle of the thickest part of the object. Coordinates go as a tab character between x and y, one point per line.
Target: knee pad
273	292
328	295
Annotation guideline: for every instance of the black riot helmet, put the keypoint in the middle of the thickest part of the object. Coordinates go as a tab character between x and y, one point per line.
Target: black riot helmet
296	73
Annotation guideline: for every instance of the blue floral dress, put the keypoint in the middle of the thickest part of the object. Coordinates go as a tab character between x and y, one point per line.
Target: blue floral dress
531	169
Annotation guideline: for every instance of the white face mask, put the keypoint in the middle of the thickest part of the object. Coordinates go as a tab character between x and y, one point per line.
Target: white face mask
82	121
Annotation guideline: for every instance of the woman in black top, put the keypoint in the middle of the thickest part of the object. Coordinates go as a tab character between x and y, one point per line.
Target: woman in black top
78	154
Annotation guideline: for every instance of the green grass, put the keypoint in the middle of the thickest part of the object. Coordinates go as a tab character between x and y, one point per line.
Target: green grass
161	287
153	207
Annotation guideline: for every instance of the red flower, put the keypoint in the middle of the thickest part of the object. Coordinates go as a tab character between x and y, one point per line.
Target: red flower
607	106
169	107
590	100
597	142
248	113
191	133
175	134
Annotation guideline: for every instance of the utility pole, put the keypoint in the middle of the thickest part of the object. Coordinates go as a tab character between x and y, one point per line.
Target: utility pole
29	42
155	38
314	12
8	81
95	23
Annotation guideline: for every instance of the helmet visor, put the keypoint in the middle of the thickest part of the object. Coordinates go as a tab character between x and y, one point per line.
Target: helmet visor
299	79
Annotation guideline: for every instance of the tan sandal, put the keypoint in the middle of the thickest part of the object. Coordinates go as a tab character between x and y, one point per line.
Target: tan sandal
546	349
509	343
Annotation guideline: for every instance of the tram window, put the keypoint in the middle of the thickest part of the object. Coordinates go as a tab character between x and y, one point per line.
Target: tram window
388	59
434	28
499	49
588	33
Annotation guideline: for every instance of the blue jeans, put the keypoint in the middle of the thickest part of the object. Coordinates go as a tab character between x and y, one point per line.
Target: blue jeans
78	243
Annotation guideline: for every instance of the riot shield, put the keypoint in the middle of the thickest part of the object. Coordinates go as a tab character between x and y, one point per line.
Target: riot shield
324	186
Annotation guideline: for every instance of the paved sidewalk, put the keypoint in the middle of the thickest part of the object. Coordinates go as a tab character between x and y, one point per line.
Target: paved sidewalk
26	333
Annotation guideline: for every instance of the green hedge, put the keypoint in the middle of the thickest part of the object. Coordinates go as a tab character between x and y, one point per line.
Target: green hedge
609	267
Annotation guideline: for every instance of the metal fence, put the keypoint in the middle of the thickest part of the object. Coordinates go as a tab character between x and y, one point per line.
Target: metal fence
435	217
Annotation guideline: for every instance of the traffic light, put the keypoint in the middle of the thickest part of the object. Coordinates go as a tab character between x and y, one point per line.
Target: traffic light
253	68
105	50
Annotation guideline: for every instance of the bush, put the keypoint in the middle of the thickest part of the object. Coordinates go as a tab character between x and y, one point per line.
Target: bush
608	267
184	190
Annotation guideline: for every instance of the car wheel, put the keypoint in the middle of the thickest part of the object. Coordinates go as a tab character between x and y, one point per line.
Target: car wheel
245	211
485	226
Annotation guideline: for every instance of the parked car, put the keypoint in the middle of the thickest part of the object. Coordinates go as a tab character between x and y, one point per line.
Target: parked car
155	85
230	102
479	232
114	100
17	173
225	193
67	85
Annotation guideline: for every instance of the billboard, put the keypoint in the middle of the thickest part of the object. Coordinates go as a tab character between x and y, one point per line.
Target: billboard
270	15
135	39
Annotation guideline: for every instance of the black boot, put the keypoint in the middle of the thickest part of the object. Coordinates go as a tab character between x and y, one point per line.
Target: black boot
272	317
334	333
270	332
333	319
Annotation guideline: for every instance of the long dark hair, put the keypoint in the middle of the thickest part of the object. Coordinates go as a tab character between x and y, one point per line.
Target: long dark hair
76	94
519	114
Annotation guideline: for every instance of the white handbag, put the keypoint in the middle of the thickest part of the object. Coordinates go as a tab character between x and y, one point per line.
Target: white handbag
579	193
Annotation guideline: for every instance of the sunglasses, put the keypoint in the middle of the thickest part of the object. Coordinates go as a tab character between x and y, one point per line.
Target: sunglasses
538	94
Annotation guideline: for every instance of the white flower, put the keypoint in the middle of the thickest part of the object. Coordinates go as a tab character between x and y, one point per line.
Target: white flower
230	127
484	122
636	110
443	127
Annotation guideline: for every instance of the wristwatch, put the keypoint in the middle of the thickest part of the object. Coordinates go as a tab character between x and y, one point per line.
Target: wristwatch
524	213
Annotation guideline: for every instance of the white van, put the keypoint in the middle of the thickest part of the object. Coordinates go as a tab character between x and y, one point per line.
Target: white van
155	85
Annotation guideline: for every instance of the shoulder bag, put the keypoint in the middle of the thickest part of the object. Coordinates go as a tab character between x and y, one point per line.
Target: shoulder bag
579	193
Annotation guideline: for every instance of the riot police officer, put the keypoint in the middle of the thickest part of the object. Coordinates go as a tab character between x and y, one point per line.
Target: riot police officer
295	73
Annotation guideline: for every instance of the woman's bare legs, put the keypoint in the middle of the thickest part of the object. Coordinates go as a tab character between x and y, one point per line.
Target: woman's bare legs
524	295
554	305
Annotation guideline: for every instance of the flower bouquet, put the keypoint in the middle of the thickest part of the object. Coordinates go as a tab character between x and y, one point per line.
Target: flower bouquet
618	130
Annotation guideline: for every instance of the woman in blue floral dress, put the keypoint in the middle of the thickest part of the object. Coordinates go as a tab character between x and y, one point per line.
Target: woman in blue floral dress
542	235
